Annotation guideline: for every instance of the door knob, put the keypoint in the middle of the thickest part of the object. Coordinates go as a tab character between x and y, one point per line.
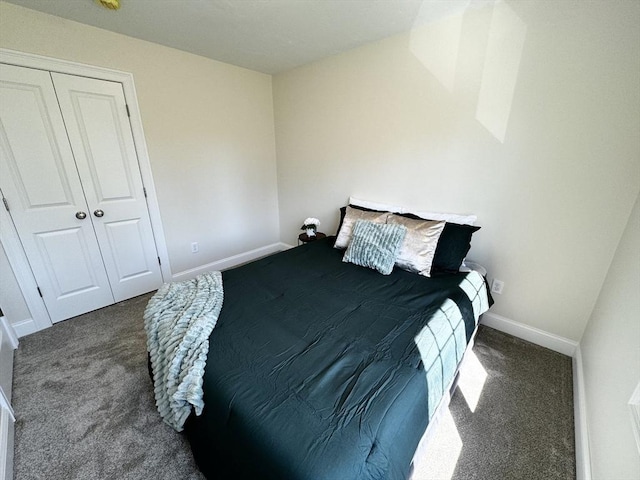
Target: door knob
98	213
81	215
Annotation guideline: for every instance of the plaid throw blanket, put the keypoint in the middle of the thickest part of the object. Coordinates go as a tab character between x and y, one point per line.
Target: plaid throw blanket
178	320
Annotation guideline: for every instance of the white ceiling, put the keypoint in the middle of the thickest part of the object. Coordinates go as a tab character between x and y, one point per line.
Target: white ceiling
269	36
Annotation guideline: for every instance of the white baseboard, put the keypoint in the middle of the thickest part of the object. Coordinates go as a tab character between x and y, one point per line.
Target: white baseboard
230	262
583	455
566	347
531	334
25	327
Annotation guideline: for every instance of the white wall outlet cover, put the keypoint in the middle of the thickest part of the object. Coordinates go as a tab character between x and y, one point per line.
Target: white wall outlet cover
497	286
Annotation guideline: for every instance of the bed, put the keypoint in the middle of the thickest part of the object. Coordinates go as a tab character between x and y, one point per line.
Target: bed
321	369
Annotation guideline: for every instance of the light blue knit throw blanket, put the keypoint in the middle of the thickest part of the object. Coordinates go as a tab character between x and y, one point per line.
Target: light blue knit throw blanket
178	320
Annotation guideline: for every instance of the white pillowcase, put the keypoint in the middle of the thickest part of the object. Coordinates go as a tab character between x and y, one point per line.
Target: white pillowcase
469	266
446	217
384	207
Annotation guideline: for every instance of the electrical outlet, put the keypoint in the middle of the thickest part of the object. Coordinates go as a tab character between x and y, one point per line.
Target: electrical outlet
194	247
497	286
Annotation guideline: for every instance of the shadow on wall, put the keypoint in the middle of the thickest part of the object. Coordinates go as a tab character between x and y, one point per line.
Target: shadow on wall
435	42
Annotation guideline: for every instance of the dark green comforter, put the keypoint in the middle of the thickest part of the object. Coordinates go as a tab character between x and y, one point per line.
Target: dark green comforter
313	371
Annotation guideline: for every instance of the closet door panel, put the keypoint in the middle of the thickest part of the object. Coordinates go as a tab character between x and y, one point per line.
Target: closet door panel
38	176
96	119
67	258
125	237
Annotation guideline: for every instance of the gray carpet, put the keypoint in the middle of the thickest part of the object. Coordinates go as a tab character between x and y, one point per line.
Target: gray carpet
521	426
84	407
84	403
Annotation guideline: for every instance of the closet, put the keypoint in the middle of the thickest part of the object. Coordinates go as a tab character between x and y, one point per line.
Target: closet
71	182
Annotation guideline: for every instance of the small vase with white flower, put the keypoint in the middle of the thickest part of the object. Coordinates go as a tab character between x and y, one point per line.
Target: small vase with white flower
310	226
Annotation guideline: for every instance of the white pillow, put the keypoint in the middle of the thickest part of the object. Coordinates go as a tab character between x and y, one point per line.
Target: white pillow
469	266
446	217
375	205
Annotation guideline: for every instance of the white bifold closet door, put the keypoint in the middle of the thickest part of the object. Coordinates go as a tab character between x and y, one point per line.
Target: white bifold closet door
70	174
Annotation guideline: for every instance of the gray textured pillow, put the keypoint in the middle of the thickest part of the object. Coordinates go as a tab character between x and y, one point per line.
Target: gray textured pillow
375	245
350	218
419	245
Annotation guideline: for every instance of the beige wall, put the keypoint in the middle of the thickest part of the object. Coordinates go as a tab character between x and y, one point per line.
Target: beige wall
526	115
610	351
208	126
